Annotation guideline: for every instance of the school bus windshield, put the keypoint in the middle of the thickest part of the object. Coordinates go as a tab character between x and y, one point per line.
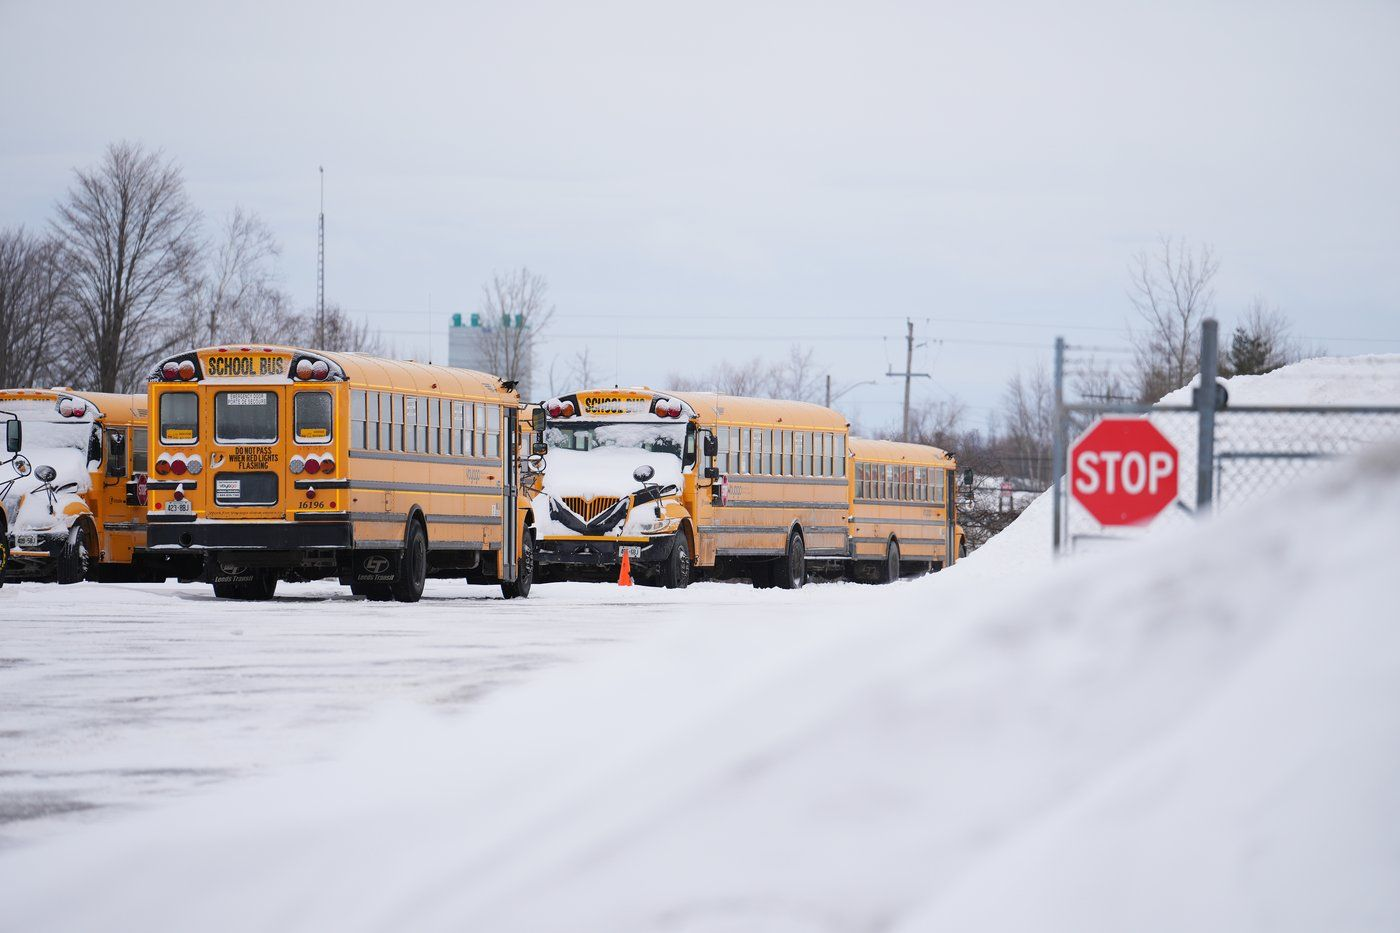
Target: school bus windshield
590	435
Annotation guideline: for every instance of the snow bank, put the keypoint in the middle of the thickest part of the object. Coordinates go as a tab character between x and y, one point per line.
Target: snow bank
1195	731
1331	380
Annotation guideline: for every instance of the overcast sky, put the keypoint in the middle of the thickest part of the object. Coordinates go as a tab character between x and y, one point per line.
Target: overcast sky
702	181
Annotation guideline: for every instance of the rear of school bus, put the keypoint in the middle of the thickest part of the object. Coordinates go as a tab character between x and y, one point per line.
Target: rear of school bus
904	509
247	466
276	463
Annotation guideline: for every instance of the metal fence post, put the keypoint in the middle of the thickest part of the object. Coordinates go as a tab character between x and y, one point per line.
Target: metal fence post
1058	454
1205	409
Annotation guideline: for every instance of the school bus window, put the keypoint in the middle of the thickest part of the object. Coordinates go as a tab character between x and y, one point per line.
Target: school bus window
457	420
138	450
493	431
245	417
179	418
311	417
357	419
840	455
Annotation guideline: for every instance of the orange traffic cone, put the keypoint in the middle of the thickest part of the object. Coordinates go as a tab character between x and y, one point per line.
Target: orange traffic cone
625	577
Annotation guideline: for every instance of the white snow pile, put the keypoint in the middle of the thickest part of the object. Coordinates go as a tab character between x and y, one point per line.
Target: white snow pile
1328	380
1195	732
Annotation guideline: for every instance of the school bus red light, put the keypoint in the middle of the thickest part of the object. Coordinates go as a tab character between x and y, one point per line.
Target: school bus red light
187	370
170	372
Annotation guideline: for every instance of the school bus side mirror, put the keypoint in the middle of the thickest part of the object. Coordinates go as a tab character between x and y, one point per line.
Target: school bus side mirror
968	477
711	446
712	472
14	436
537	420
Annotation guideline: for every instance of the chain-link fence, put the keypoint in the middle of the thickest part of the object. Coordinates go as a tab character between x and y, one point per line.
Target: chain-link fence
1227	454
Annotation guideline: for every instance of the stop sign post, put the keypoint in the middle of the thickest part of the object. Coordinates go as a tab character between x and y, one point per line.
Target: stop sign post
1123	471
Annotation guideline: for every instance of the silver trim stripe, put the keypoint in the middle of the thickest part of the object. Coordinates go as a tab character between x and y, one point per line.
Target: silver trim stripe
770	529
930	523
423	458
767	504
398	518
387	486
736	478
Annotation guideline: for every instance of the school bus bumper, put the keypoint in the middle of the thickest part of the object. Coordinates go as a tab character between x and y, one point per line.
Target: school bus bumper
317	530
603	551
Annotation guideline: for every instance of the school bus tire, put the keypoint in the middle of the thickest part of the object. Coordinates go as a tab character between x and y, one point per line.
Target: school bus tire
519	588
888	569
413	564
790	570
675	573
75	562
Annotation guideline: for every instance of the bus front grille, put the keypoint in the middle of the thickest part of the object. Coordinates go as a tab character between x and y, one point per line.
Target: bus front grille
589	509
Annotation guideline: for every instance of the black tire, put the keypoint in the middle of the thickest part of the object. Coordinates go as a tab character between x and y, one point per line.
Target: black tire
75	560
790	573
761	574
519	588
675	573
888	569
261	587
413	566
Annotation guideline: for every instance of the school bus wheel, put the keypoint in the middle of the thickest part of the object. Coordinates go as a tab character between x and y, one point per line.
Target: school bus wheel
519	588
889	568
75	558
413	565
675	573
790	571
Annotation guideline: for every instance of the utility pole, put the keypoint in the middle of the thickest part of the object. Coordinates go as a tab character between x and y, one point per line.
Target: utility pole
908	373
321	267
828	390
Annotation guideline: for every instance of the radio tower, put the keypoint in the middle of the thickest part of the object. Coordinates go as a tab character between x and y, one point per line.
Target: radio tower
321	267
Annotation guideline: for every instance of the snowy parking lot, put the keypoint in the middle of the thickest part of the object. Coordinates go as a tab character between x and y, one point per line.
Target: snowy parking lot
118	695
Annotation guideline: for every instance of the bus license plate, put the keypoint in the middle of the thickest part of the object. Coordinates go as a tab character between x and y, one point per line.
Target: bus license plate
179	505
632	550
26	540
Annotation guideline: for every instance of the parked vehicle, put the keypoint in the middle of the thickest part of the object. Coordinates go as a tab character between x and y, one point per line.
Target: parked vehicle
280	463
71	499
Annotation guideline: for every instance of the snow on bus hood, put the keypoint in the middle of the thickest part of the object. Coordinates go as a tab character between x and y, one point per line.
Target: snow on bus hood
605	471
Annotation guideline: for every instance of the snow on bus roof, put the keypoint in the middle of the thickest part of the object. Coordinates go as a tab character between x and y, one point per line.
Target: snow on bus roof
712	407
866	448
382	371
116	407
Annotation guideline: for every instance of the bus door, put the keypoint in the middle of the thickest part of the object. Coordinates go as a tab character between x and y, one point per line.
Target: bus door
950	522
510	491
119	516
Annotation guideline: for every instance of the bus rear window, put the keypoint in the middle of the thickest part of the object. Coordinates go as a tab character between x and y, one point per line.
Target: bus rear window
179	418
245	417
311	416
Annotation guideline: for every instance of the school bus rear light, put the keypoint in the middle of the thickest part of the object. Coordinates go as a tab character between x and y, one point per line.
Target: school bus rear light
178	466
163	465
327	464
313	465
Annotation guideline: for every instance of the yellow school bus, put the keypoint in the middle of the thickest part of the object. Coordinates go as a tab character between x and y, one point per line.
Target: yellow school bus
688	481
69	507
284	463
903	509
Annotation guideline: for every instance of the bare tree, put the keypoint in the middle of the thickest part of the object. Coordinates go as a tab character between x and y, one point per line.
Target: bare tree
238	292
799	377
344	334
130	243
1172	292
1100	381
578	372
31	288
514	310
1028	414
938	423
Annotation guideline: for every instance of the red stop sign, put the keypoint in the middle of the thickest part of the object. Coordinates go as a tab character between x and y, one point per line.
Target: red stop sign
1123	471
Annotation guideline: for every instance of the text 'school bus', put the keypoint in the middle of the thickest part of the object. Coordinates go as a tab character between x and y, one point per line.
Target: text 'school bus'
69	507
279	463
683	481
903	508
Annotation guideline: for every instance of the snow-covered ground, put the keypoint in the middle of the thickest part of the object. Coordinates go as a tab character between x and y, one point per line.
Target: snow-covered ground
1196	730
